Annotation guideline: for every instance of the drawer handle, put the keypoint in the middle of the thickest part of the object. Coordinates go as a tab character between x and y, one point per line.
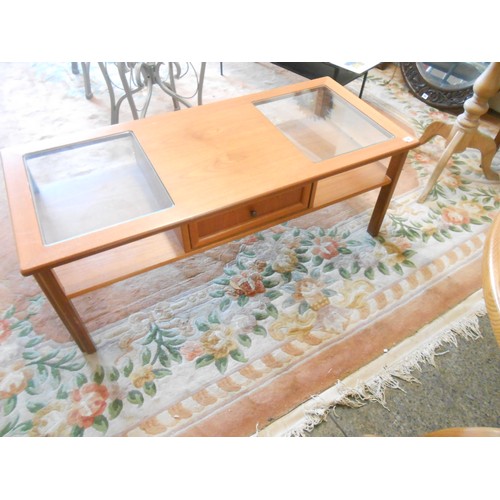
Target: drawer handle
253	213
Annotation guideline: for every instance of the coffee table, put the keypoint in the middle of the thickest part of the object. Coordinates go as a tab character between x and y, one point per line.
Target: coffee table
101	206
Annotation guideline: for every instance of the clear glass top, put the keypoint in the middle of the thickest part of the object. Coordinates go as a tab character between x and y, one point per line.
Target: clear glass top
90	185
321	123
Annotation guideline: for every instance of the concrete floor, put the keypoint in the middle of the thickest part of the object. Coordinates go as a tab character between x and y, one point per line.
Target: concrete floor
462	390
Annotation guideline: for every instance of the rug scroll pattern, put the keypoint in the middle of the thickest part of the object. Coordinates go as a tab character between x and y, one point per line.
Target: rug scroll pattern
291	292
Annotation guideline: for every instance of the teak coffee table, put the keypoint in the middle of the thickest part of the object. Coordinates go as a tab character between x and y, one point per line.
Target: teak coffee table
107	204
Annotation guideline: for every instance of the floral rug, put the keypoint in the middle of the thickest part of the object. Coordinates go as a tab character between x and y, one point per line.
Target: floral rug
232	339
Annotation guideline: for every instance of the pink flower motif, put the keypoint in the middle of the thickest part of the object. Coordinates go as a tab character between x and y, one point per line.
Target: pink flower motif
5	330
250	239
456	215
247	284
13	381
325	247
191	350
89	402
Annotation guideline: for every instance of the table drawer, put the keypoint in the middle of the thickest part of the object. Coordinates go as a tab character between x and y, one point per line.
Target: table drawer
247	216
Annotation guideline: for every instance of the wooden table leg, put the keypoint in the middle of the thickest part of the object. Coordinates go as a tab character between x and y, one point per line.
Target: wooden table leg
54	292
386	192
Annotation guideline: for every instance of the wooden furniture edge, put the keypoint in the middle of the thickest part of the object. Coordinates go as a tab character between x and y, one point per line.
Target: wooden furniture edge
491	276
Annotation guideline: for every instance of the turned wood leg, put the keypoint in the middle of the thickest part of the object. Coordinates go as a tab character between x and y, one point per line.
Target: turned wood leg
450	149
65	309
386	192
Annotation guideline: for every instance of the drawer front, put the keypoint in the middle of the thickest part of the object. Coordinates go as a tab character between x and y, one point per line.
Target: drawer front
249	215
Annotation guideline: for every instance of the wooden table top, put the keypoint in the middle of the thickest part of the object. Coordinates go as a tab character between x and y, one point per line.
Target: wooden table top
209	158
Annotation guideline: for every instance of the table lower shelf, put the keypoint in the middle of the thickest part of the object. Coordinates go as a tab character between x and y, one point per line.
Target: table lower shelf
105	268
108	267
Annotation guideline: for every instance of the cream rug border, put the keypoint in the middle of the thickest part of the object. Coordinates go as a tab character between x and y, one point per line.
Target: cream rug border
370	382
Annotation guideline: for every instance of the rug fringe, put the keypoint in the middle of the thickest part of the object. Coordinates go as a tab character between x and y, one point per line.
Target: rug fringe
374	389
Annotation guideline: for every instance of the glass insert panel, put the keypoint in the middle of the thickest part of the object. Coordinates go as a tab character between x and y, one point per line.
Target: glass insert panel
91	185
321	123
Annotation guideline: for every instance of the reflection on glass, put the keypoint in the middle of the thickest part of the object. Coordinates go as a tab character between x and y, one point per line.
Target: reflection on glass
321	123
451	75
87	186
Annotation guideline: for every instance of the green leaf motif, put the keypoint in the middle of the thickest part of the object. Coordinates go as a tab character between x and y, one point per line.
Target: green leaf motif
398	269
345	273
317	260
204	360
48	357
9	312
260	315
31	388
151	335
355	267
268	271
408	263
383	268
369	273
25	331
301	268
81	379
99	375
273	294
42	370
150	388
28	355
146	356
74	367
224	304
161	372
34	407
115	408
272	310
202	326
409	253
127	369
175	354
328	267
303	307
101	424
10	405
34	341
213	318
114	375
62	393
221	364
25	426
77	431
300	251
243	300
244	340
164	359
135	397
344	250
56	375
237	355
259	330
270	283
